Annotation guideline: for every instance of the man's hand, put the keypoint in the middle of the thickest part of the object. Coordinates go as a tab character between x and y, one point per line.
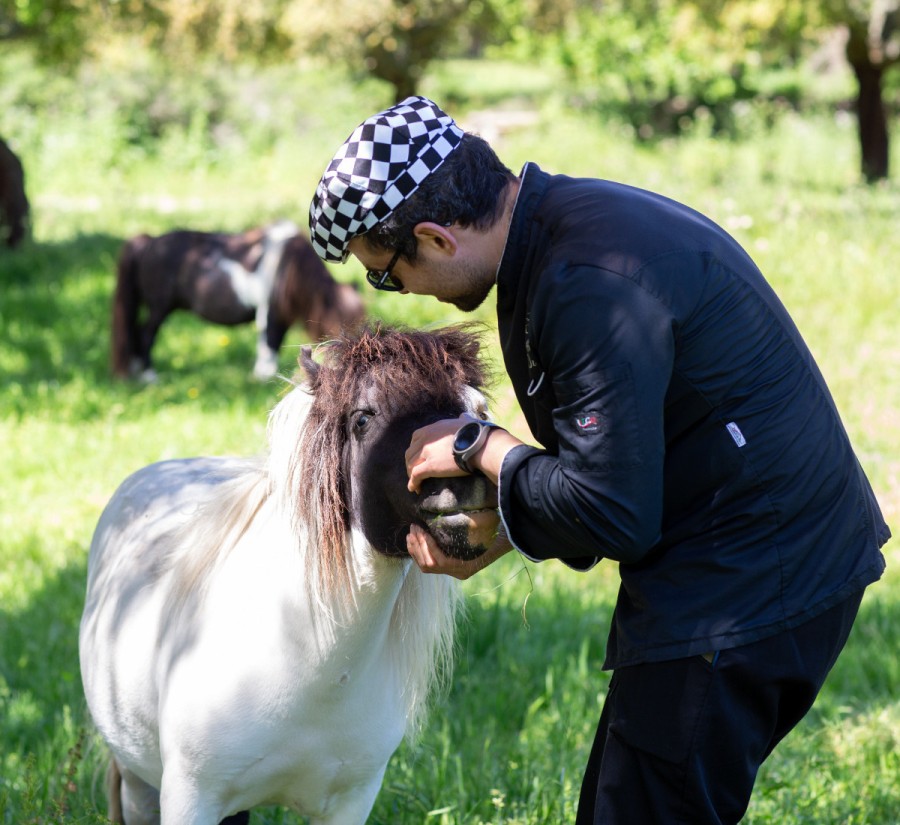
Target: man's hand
430	455
430	452
431	559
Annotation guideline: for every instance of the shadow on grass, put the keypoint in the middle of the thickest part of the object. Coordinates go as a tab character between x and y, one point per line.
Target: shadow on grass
517	723
54	344
513	733
867	673
55	306
44	725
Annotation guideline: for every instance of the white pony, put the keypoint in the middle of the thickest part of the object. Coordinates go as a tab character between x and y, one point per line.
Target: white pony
254	632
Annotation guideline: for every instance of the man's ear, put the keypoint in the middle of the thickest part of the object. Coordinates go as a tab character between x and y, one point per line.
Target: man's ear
434	237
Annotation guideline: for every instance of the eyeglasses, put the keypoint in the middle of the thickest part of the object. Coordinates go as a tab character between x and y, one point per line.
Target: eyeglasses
382	278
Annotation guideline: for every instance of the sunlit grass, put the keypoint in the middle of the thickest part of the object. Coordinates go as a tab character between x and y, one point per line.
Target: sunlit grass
508	743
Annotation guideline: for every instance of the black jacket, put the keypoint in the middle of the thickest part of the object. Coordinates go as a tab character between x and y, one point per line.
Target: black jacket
687	431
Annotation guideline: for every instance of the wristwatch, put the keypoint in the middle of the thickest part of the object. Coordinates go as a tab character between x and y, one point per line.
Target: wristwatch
469	440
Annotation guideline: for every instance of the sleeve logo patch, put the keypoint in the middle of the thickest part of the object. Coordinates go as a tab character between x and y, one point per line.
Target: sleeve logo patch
587	423
736	433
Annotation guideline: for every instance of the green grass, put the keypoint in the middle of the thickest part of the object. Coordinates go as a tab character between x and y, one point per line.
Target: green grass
508	742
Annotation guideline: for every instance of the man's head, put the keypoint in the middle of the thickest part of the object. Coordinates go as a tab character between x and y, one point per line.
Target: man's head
402	167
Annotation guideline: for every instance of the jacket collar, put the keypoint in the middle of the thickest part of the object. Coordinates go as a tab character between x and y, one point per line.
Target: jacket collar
520	238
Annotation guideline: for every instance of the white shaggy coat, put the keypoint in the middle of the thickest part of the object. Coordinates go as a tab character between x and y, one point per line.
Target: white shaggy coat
217	667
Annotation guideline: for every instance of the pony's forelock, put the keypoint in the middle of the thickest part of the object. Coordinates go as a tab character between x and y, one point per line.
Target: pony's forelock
404	367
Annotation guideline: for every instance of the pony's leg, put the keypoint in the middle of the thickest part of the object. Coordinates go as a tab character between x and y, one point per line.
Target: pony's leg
183	803
147	338
114	793
134	802
350	809
270	332
266	360
139	801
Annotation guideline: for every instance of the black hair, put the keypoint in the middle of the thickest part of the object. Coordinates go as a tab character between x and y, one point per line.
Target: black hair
467	189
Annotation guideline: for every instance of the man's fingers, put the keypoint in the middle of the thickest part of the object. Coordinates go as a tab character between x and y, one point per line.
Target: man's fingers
417	544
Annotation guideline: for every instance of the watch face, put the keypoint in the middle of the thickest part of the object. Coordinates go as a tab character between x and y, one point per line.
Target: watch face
466	436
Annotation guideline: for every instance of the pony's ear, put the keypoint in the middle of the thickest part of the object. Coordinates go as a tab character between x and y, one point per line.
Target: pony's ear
310	367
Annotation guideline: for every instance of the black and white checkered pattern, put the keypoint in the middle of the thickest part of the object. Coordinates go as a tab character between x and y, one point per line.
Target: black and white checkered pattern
380	165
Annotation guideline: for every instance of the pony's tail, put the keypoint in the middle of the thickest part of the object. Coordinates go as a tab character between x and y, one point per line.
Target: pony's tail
114	793
126	302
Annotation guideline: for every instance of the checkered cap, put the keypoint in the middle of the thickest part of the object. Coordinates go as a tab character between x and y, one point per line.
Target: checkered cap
380	165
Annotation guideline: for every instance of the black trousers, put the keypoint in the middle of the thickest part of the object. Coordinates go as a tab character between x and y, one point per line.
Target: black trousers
680	742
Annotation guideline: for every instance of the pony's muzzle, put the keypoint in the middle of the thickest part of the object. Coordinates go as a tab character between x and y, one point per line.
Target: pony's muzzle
460	514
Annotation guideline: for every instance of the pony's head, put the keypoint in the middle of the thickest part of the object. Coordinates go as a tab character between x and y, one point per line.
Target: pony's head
305	292
369	390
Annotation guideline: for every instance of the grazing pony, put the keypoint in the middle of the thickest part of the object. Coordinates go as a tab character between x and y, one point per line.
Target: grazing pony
271	275
13	201
254	631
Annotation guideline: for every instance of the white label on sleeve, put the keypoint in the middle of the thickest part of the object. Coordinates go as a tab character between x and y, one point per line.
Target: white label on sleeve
736	433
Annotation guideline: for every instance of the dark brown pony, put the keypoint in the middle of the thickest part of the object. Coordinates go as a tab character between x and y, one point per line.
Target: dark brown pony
268	274
13	202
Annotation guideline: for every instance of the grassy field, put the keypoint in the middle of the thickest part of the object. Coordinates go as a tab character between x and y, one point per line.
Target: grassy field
508	742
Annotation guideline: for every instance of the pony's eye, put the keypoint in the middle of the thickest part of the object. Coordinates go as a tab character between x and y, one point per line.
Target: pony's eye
363	417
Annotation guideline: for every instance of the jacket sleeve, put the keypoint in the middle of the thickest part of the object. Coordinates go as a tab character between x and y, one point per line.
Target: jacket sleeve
605	346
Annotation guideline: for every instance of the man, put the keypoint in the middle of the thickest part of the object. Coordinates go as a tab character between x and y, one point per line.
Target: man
687	434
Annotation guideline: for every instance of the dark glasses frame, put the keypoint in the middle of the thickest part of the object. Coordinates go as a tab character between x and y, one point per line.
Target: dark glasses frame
382	278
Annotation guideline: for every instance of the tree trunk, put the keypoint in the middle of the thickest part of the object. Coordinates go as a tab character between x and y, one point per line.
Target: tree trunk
874	141
873	129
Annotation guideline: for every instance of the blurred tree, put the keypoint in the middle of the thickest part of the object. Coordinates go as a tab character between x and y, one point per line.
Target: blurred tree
659	63
58	26
394	40
873	46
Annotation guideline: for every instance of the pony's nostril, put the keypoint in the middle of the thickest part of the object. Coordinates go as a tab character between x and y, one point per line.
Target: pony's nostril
447	495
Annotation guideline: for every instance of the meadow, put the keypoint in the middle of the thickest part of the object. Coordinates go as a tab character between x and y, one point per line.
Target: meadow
507	741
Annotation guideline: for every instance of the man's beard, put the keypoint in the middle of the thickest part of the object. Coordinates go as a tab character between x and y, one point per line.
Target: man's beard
471	302
478	289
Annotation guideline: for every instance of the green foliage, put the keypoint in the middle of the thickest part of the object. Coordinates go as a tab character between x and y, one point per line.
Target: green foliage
393	40
664	66
667	67
508	742
200	114
59	25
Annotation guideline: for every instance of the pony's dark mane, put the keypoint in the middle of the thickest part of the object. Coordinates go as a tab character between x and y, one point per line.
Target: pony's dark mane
301	277
406	366
306	291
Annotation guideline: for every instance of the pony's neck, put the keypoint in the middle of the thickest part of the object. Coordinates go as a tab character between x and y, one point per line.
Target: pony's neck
358	610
